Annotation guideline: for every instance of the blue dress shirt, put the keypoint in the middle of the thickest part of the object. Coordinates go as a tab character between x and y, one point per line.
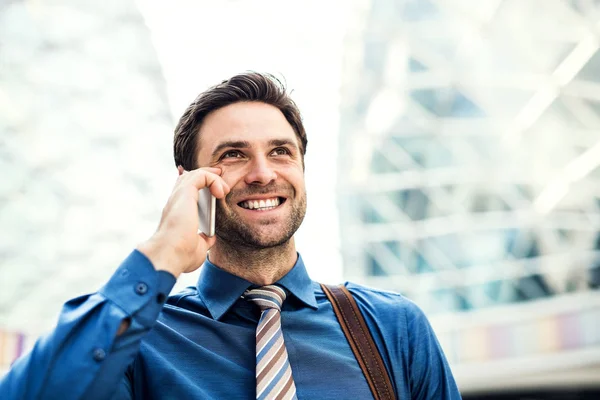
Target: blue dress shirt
200	344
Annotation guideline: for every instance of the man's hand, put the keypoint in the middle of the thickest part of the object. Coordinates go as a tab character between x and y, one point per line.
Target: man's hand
176	246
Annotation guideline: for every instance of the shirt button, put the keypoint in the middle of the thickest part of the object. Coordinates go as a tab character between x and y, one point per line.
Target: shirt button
99	354
141	288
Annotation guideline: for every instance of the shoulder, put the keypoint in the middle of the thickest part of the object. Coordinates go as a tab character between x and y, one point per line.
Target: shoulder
384	300
382	305
175	298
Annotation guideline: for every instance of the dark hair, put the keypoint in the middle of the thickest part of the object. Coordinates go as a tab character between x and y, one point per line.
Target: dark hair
249	86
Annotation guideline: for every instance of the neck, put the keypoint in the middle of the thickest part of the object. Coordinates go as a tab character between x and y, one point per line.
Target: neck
259	266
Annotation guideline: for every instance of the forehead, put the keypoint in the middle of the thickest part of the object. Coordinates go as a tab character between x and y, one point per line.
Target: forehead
253	122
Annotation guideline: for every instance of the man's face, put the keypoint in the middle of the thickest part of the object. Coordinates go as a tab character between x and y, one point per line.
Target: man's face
258	152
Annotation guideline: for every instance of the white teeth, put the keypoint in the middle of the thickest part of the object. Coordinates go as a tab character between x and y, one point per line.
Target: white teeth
261	204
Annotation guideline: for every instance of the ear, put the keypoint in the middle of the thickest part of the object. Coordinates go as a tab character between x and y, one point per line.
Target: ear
180	170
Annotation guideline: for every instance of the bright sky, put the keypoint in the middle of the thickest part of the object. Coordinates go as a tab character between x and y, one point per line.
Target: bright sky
200	43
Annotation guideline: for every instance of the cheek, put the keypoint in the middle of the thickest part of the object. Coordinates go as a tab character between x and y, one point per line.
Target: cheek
231	175
295	177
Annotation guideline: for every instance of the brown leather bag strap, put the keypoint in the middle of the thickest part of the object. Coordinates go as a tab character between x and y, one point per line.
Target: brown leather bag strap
360	339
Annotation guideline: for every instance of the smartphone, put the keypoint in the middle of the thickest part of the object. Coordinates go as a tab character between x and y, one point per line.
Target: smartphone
207	205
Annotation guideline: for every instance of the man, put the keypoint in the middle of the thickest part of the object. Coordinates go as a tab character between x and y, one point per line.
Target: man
243	139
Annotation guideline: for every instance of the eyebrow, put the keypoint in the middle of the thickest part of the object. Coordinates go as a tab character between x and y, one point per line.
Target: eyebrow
242	144
282	142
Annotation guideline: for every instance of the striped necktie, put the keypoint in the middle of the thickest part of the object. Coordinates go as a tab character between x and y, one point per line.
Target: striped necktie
273	371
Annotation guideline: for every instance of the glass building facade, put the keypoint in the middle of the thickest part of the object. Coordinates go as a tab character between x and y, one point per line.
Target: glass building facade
83	112
468	173
469	179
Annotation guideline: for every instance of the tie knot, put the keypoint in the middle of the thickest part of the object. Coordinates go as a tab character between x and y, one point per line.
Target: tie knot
270	296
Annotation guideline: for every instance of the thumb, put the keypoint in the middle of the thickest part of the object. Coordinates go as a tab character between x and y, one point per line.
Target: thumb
209	241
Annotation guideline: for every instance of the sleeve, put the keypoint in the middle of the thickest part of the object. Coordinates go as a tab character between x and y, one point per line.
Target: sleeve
83	357
429	372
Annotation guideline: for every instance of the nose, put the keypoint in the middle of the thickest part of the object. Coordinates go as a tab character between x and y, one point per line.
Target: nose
261	172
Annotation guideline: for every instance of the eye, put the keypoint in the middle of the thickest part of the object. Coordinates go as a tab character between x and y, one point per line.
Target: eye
231	154
280	151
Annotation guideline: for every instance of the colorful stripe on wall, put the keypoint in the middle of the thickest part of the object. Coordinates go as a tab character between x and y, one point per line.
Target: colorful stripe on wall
12	346
561	332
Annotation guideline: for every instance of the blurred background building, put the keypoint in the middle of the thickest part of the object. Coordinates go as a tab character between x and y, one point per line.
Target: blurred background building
469	179
464	137
83	111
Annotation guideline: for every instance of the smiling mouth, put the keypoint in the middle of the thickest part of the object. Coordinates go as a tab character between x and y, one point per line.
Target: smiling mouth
263	204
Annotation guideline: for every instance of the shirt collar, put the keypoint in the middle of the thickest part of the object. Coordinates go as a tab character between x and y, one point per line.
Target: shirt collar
219	289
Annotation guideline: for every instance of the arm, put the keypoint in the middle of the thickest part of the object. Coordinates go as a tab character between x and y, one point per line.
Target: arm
430	375
83	357
98	336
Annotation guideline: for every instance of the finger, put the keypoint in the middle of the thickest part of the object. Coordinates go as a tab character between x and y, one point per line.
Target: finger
219	188
201	179
214	170
209	242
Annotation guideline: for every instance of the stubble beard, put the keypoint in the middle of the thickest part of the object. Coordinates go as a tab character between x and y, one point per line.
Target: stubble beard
230	229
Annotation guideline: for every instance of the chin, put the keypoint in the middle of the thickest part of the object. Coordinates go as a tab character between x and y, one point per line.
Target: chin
254	240
275	242
266	241
262	234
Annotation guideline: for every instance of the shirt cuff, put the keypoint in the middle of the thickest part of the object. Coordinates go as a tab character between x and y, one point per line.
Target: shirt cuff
138	289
